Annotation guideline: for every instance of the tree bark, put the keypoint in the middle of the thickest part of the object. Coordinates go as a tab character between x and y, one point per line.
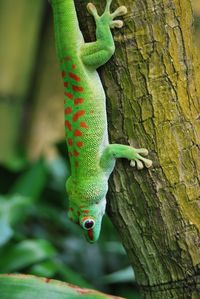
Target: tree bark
152	87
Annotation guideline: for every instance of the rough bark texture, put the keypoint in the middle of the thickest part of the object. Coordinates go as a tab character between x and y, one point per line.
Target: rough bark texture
153	97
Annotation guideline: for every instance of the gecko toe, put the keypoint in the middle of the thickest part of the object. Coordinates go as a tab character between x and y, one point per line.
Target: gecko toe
117	24
132	163
92	10
120	11
142	151
139	165
148	163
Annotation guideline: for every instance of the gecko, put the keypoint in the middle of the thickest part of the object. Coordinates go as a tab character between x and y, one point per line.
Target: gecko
92	158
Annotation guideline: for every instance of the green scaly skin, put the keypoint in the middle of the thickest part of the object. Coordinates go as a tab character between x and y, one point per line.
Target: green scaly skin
92	158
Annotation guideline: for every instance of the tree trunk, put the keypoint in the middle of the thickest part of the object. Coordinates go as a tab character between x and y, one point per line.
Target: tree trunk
153	95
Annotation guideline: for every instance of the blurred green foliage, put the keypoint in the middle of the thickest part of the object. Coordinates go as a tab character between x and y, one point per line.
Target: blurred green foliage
37	237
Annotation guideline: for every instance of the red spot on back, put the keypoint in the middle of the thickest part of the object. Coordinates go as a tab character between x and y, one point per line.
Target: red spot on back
68	125
76	154
78	101
71	209
66	84
79	143
77	88
63	74
74	77
77	133
70	142
68	110
69	95
67	58
78	114
86	211
73	66
83	125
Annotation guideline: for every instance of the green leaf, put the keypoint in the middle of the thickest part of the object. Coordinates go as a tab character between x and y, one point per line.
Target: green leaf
25	254
13	209
58	170
32	182
6	232
125	275
54	267
26	286
45	268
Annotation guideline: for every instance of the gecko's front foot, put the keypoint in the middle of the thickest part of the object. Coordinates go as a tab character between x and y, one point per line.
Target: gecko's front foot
139	160
107	17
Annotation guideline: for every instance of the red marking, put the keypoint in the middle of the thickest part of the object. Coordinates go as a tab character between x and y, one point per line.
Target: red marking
66	84
91	111
83	125
73	66
74	77
47	280
79	143
76	154
77	88
86	211
69	95
85	218
67	58
70	142
90	234
68	110
76	164
77	133
63	74
78	114
71	209
68	125
78	101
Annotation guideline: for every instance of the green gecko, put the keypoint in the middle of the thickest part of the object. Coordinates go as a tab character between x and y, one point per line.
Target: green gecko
92	158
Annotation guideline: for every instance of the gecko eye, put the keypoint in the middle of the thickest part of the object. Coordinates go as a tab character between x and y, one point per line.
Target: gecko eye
88	224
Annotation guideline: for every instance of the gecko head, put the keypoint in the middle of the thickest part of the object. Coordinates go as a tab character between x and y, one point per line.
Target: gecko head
87	204
90	220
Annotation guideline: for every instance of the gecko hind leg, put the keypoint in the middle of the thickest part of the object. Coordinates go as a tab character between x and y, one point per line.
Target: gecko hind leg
114	151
